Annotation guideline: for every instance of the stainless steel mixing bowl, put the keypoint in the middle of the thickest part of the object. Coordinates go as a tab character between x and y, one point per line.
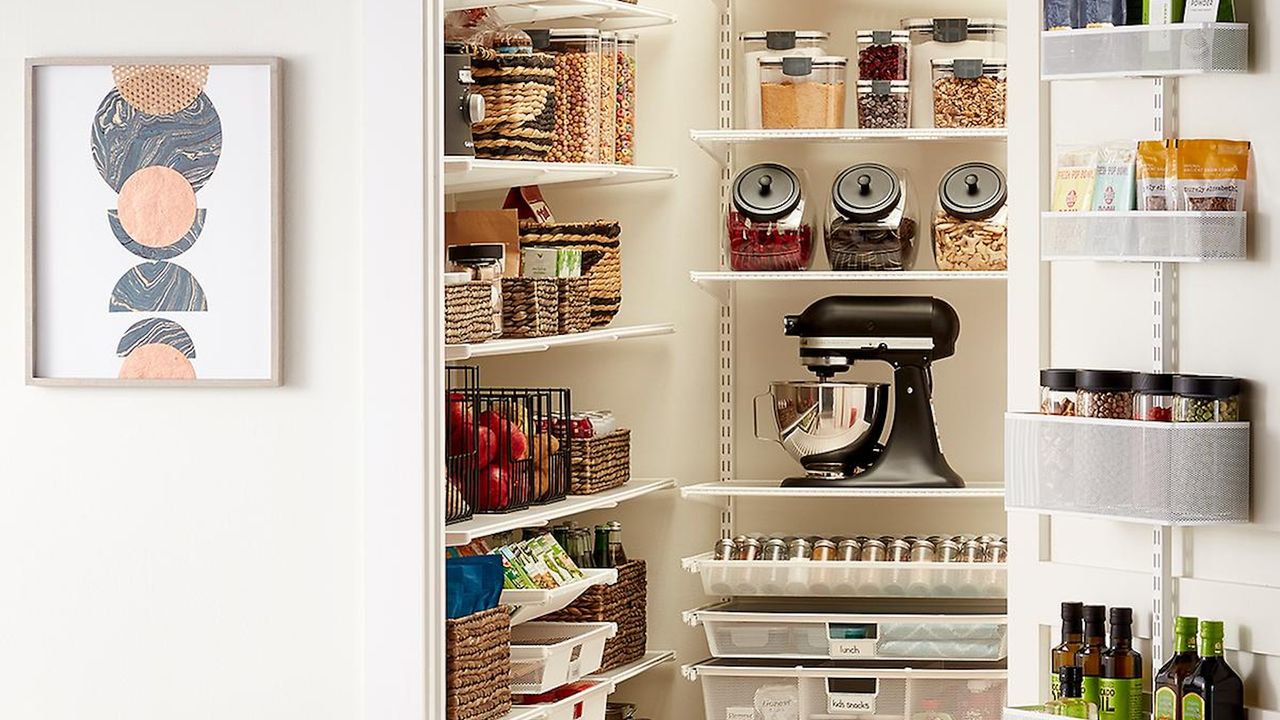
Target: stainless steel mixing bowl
823	425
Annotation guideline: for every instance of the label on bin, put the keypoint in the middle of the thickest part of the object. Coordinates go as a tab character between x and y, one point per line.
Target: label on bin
853	648
852	696
740	713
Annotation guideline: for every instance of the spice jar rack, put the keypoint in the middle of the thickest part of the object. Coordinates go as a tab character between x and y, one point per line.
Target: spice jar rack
836	578
1145	51
1175	474
1144	236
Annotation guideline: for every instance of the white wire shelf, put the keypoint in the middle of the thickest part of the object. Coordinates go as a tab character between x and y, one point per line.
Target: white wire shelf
526	712
603	14
716	143
470	175
1181	236
529	605
651	660
717	491
848	579
1145	51
519	346
535	517
718	283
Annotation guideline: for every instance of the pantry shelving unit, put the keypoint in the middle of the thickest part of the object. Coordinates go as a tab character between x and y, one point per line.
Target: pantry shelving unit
651	660
604	14
769	489
720	283
520	346
474	175
716	143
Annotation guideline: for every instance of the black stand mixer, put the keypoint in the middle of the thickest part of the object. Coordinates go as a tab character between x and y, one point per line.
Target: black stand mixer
909	333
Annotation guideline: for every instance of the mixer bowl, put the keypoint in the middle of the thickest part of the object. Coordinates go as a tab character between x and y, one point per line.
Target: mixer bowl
824	426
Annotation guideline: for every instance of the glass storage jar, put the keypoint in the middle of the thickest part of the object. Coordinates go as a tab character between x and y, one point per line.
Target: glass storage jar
1206	398
971	223
770	43
577	134
625	73
1058	392
884	104
608	96
484	262
944	39
871	220
970	93
801	92
1153	397
1104	394
883	54
769	226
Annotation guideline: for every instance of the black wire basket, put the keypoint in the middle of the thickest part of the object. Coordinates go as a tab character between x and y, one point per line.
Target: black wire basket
523	455
462	438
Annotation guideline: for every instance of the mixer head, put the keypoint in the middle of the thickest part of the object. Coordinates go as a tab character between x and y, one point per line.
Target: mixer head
838	331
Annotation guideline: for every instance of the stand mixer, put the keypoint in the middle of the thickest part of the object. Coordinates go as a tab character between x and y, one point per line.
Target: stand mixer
836	430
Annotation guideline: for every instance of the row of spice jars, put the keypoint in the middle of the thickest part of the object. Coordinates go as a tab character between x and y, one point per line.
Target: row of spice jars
872	222
1154	397
936	548
595	94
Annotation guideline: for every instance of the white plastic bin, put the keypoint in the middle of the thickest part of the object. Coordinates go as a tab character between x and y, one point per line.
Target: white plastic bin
587	704
546	655
807	578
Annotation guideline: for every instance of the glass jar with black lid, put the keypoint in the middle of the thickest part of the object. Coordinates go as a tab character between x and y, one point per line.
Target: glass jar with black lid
971	223
769	223
871	220
1104	394
1153	397
1206	398
1058	392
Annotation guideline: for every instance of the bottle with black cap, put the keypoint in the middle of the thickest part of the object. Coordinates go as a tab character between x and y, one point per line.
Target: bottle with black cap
1095	644
1120	689
1064	655
871	220
971	225
768	221
1072	703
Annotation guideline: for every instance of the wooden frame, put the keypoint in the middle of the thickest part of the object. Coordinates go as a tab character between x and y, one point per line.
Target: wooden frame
277	220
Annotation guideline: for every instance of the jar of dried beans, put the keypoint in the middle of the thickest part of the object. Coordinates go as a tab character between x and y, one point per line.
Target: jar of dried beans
971	224
884	104
1153	397
1058	392
945	38
871	221
883	54
625	73
756	46
1104	394
578	83
970	93
798	91
769	226
1206	398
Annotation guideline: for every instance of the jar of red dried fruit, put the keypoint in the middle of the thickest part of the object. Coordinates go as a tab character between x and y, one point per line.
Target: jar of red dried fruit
1153	397
770	228
883	54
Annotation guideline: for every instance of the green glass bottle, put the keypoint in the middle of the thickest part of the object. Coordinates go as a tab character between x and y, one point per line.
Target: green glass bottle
1089	658
1168	684
1071	704
1213	691
1064	655
1120	688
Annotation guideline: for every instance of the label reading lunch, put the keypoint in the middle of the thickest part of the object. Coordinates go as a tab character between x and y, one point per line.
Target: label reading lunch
853	648
740	713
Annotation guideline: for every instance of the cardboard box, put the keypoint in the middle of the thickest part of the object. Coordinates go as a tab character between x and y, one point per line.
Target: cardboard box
472	227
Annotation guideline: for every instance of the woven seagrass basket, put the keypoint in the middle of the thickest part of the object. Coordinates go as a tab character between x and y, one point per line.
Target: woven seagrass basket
601	245
478	666
468	313
601	463
520	104
624	603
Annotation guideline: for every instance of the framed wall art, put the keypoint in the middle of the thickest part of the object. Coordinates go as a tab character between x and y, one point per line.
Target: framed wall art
154	221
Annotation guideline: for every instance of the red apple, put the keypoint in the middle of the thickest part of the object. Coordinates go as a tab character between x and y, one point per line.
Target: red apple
458	415
495	488
487	447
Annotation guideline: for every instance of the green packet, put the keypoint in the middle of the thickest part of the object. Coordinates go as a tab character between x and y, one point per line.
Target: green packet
555	558
513	574
1188	11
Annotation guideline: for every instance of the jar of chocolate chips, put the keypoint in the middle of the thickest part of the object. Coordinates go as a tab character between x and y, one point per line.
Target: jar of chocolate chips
1104	394
871	220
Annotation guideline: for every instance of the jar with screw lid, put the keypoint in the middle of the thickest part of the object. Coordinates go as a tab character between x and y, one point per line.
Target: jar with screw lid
1153	397
1206	398
1058	392
1104	394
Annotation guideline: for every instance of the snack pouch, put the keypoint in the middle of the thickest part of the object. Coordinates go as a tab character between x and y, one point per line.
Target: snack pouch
1152	175
1103	13
1074	178
1212	174
1113	190
1061	14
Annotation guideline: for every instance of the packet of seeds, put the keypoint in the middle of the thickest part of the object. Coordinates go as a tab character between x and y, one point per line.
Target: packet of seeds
1061	14
1074	178
1113	191
1152	175
1212	174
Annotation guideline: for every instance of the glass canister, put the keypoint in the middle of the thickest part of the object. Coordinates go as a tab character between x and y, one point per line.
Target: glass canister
971	223
1104	394
883	54
770	228
1206	398
625	74
970	93
577	134
484	262
1058	392
769	43
944	39
871	220
802	92
884	104
1153	397
608	97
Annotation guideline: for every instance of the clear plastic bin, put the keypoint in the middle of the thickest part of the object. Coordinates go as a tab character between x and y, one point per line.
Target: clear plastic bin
578	83
770	226
625	75
884	54
546	655
970	93
608	97
835	578
756	46
802	92
971	222
944	39
884	104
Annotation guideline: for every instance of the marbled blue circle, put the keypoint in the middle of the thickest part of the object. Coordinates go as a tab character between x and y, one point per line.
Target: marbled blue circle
158	287
156	331
126	140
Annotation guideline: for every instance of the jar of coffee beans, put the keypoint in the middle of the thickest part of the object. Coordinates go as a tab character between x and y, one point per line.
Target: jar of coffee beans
1058	392
1206	398
1104	394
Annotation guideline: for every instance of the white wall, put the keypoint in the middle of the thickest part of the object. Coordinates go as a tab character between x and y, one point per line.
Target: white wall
193	554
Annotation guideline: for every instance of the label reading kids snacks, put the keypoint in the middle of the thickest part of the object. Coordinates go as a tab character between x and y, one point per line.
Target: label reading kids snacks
1074	179
1212	174
1114	189
1120	699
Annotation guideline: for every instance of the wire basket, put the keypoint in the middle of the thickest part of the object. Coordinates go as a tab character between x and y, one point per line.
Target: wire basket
523	458
520	104
601	245
462	467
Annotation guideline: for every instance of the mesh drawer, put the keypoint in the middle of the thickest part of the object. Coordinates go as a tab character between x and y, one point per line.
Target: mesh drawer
1141	50
1144	236
848	579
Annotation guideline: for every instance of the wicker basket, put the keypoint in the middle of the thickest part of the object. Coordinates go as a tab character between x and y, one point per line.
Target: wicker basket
530	307
468	313
520	104
601	463
624	603
600	243
575	305
478	666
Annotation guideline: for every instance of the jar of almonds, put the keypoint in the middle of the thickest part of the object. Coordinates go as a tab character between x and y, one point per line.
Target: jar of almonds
971	223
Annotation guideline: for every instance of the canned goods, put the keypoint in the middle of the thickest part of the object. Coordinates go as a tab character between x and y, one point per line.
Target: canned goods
873	551
923	551
997	551
948	551
899	551
848	550
972	552
775	549
725	549
799	549
824	550
749	549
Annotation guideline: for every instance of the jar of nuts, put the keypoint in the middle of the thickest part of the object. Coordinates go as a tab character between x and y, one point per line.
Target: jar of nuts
871	221
971	224
944	38
970	93
578	88
1206	398
1104	394
1058	392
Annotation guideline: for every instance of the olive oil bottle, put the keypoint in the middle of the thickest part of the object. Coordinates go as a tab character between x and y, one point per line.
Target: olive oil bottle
1168	684
1071	704
1089	658
1120	688
1213	691
1064	655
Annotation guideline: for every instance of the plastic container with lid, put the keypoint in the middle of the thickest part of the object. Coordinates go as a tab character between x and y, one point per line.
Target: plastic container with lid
1058	392
971	222
871	220
484	262
608	96
884	54
970	93
1206	398
625	77
769	225
1104	394
1153	397
802	92
884	104
771	43
578	83
945	39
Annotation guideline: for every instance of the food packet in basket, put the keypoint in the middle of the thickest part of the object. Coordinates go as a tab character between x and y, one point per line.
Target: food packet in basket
1152	175
1212	174
1073	180
1113	191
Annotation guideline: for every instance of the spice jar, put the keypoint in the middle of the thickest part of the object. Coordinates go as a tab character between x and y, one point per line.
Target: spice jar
1058	392
625	74
748	549
769	227
873	551
824	550
578	83
970	93
761	44
871	221
1206	398
775	549
946	38
900	551
884	104
1104	394
802	92
883	54
608	97
923	551
971	225
1153	397
799	549
485	262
